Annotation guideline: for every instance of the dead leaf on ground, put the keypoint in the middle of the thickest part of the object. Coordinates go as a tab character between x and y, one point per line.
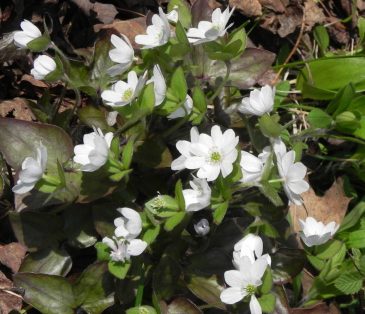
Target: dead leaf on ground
313	14
30	79
105	13
129	28
321	308
332	206
289	21
247	7
182	305
9	301
12	255
275	5
16	107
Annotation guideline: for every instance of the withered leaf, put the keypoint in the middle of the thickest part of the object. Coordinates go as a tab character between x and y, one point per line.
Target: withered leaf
11	255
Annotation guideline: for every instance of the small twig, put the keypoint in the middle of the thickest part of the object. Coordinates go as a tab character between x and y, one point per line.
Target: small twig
293	50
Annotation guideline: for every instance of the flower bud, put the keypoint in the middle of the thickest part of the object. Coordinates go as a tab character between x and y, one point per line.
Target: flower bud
43	65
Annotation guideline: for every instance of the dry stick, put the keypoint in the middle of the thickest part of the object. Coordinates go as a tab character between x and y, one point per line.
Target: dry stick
293	50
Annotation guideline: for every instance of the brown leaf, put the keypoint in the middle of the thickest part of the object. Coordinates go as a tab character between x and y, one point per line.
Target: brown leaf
332	206
105	13
182	305
321	308
11	255
30	79
275	5
313	14
289	21
247	7
129	28
17	108
9	300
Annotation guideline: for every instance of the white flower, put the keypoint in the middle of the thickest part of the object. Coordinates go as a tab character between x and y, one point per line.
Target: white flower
43	65
123	249
93	154
32	171
315	232
184	149
210	31
198	197
123	54
29	32
260	101
173	15
123	93
278	147
159	85
111	118
202	227
293	174
183	110
252	168
211	154
158	33
244	282
250	246
130	225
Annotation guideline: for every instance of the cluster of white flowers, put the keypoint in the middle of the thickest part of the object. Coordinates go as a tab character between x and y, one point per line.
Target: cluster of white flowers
250	266
32	171
211	155
124	244
315	232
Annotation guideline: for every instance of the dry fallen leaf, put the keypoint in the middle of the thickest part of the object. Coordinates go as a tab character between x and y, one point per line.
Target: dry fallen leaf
332	206
313	14
321	308
9	300
16	107
105	13
247	7
11	255
275	5
129	28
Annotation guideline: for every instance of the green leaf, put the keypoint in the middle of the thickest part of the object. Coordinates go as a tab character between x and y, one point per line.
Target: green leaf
353	217
36	230
236	42
47	261
356	239
329	249
93	116
267	281
349	282
178	84
94	289
362	264
347	121
267	303
20	139
319	119
342	100
151	233
174	220
144	309
181	35
102	251
39	44
361	28
179	195
183	11
119	269
269	127
321	36
147	99
49	294
219	212
271	193
127	154
200	105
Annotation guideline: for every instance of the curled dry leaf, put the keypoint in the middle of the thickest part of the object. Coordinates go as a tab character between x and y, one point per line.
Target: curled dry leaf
275	5
9	301
332	206
16	108
313	14
248	8
12	255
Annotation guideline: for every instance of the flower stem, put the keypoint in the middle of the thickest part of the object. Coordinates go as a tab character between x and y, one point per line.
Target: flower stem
140	288
276	180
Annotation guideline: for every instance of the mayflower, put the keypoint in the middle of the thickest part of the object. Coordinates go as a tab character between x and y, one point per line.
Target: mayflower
43	65
122	249
159	85
123	93
211	155
184	149
293	174
202	227
28	33
210	31
261	101
252	168
129	226
315	232
173	15
93	154
123	54
244	282
158	33
32	171
183	110
250	246
198	197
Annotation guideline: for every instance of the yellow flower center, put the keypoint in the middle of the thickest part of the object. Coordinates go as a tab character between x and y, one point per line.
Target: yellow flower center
250	289
127	95
215	157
